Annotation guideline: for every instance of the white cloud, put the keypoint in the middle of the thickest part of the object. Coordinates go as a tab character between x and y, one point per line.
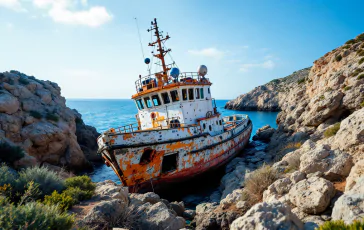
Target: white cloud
269	64
62	11
12	4
208	52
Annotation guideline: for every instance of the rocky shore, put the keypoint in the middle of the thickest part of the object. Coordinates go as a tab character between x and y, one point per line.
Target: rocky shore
34	117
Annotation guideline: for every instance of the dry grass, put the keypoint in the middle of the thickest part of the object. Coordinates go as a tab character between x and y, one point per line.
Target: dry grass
293	163
293	145
257	182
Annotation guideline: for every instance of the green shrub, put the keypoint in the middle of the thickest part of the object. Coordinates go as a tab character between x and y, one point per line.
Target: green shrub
360	37
340	225
338	58
347	46
63	200
35	114
360	52
361	76
361	61
7	175
362	104
302	80
52	117
257	182
351	41
34	216
47	180
78	120
347	88
356	72
322	97
275	81
23	81
10	153
83	182
332	130
78	194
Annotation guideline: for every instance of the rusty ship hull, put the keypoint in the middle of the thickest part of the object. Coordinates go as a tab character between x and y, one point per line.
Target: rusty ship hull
174	161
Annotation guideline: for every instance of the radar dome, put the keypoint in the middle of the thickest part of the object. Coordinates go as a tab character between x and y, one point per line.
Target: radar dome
174	72
202	70
147	61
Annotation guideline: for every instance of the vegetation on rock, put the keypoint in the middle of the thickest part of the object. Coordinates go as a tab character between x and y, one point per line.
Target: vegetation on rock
35	114
332	130
340	225
338	58
10	153
52	117
361	76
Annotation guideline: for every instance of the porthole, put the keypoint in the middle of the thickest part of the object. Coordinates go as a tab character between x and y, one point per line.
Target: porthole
204	126
210	128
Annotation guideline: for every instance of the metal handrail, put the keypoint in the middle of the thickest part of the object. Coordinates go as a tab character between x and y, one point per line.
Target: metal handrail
150	81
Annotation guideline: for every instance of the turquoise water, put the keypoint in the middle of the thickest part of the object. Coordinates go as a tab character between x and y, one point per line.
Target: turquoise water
104	114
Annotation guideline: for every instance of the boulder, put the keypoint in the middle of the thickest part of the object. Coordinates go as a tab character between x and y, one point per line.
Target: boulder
149	197
276	190
356	172
107	190
267	216
232	198
26	162
350	206
159	217
8	103
297	176
105	211
178	207
264	134
312	195
312	222
330	162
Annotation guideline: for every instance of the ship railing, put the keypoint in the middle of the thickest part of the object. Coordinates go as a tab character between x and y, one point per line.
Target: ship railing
151	81
171	123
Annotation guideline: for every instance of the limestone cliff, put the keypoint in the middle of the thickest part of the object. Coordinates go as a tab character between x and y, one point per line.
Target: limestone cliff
270	96
34	116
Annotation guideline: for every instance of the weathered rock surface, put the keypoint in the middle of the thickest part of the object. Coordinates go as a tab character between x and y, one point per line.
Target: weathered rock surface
268	216
264	134
312	195
350	206
356	172
33	115
267	97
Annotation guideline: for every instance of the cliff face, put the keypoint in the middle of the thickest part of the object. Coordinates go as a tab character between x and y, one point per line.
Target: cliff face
34	116
269	97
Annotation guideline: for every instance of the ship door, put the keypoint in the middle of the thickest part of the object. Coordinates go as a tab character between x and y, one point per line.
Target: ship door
169	163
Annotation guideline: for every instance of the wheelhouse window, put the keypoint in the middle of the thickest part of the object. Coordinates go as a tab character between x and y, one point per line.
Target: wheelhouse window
165	98
156	100
201	93
190	94
184	94
174	96
139	103
208	90
197	93
148	102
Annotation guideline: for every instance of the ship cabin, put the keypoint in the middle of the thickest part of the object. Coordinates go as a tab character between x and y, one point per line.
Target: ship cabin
179	102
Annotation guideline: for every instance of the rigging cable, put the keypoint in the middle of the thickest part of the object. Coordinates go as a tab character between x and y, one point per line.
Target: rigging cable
140	40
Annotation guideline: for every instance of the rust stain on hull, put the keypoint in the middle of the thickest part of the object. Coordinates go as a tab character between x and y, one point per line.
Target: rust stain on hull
192	157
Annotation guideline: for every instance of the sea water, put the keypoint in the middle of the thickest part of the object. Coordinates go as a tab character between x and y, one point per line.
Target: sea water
107	113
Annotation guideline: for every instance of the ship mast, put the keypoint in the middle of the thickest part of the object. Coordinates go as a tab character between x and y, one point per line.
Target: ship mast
162	77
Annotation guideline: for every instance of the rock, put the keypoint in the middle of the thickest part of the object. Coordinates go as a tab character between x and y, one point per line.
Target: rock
158	216
179	208
264	134
189	214
105	211
297	176
312	222
356	172
26	162
350	206
107	190
315	174
268	97
330	162
267	216
242	205
312	195
205	208
350	136
276	190
232	198
8	103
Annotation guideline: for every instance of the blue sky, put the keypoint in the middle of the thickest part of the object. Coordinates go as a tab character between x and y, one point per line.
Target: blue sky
91	47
